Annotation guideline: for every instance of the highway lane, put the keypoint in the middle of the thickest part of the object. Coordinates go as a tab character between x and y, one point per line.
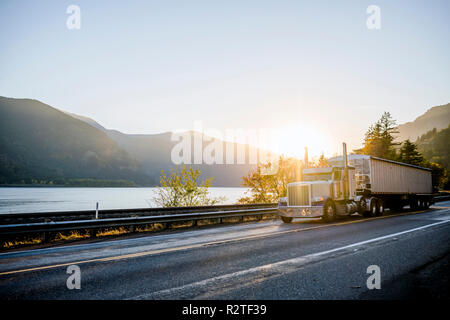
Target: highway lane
266	260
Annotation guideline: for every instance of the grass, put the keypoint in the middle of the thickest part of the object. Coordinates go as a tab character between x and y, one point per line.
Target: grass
17	243
150	228
73	235
112	232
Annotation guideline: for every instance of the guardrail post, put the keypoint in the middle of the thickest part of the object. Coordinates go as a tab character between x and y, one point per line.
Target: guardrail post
45	237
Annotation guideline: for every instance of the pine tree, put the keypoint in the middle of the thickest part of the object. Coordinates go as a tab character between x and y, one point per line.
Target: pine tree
322	162
409	154
379	139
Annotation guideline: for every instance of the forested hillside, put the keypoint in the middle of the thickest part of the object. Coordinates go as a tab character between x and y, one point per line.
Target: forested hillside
42	145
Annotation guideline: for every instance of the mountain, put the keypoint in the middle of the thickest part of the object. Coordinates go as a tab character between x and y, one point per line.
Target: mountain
435	146
40	144
436	117
153	152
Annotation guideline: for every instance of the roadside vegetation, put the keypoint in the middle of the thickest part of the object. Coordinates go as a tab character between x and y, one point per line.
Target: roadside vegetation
183	188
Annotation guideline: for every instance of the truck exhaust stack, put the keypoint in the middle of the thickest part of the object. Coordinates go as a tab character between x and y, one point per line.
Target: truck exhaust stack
346	177
306	158
344	153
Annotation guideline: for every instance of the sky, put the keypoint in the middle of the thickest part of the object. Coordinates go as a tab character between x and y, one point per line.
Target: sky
312	71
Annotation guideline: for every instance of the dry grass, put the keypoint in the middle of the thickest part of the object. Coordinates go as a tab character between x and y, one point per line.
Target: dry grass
16	243
182	224
269	216
112	232
205	222
231	220
150	227
73	235
250	218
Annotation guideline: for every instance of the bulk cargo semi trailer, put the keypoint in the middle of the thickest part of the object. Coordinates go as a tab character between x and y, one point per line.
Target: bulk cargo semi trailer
356	183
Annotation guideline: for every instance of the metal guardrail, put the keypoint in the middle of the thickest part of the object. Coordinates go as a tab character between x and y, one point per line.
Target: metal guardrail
11	230
129	212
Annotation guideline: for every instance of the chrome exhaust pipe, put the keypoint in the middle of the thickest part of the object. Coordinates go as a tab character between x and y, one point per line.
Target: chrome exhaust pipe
306	158
346	177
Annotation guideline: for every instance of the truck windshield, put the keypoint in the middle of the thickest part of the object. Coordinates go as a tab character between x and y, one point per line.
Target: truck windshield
317	177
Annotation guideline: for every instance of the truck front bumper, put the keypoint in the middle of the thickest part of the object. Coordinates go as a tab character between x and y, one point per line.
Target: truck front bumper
300	212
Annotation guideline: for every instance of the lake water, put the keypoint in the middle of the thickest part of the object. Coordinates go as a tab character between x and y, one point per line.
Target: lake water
42	199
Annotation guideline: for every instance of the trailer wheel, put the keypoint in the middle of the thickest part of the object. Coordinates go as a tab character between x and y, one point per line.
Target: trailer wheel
374	208
414	204
380	208
329	212
421	204
286	219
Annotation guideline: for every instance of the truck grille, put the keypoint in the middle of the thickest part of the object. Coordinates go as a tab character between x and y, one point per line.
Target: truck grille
298	195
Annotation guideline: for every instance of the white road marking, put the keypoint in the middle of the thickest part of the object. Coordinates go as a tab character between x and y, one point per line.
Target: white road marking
236	279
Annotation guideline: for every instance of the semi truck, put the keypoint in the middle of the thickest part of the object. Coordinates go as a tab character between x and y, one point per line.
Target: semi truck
356	184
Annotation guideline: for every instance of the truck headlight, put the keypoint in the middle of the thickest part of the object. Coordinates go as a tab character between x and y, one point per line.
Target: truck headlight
282	202
316	201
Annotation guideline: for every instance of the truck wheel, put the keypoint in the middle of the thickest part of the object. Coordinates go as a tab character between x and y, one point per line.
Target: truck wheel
414	204
286	219
421	204
380	208
362	206
373	207
329	212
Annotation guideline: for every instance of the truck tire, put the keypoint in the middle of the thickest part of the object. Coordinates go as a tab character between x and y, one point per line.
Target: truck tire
362	206
286	219
329	212
413	204
380	207
373	207
421	203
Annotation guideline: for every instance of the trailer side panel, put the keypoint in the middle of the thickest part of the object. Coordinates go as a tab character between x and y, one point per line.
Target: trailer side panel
394	178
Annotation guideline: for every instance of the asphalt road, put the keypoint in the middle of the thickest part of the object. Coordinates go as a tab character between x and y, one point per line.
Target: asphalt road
260	260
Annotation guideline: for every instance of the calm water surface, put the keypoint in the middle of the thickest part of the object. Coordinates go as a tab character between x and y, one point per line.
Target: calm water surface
41	199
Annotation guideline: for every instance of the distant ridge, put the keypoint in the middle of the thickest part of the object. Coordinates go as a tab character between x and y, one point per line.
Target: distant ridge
42	145
436	117
153	152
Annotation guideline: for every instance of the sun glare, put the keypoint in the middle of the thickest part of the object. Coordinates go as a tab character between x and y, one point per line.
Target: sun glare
292	141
